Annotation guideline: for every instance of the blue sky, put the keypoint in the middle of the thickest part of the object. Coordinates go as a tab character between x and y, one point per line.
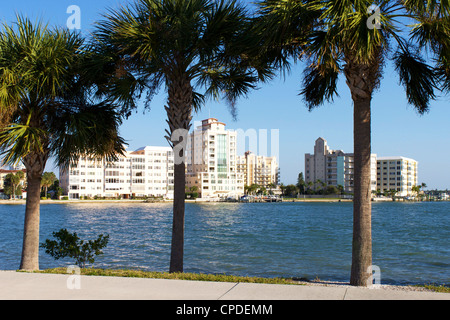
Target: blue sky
397	129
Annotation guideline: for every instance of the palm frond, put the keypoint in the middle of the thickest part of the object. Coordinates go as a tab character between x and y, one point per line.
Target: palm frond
44	85
210	42
93	131
418	79
319	85
429	7
17	141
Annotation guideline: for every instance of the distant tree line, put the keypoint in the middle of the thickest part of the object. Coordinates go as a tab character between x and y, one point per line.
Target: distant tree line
14	184
317	187
256	189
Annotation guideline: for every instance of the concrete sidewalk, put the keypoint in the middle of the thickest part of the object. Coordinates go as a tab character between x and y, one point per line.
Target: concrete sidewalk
38	286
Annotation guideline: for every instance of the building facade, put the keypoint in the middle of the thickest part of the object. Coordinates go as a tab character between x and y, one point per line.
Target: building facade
397	173
147	171
334	167
260	170
211	161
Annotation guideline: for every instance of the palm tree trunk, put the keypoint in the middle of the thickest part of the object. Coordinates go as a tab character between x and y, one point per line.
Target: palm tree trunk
177	251
35	164
362	78
179	117
362	229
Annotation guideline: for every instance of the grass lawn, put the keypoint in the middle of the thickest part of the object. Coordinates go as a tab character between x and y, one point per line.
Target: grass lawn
167	275
201	277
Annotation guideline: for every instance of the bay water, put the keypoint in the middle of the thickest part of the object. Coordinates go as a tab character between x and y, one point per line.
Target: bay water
411	241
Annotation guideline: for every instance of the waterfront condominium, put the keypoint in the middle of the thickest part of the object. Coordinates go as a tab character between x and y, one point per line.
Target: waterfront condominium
147	171
211	161
398	174
260	170
334	167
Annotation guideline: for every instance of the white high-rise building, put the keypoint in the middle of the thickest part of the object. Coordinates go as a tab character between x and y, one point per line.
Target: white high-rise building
147	171
211	161
397	173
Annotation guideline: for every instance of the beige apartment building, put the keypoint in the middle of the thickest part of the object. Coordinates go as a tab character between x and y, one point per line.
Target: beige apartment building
211	161
260	170
397	173
334	167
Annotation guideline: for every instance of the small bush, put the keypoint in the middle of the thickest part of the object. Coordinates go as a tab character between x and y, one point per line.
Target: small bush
70	245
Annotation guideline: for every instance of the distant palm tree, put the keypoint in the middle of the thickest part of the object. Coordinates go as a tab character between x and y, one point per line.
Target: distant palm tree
310	185
48	178
45	111
282	188
318	183
195	48
12	184
356	38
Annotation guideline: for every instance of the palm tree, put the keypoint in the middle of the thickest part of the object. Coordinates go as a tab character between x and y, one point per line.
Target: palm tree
48	178
357	38
12	183
192	47
46	111
301	183
310	185
319	184
271	186
254	188
282	188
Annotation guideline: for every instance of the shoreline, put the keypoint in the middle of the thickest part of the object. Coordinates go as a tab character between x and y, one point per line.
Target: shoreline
21	201
324	200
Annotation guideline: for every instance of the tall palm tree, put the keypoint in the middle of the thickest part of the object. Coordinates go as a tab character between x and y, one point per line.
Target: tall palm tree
357	38
46	111
192	47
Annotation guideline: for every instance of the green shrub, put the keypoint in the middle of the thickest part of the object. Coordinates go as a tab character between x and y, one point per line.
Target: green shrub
70	245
